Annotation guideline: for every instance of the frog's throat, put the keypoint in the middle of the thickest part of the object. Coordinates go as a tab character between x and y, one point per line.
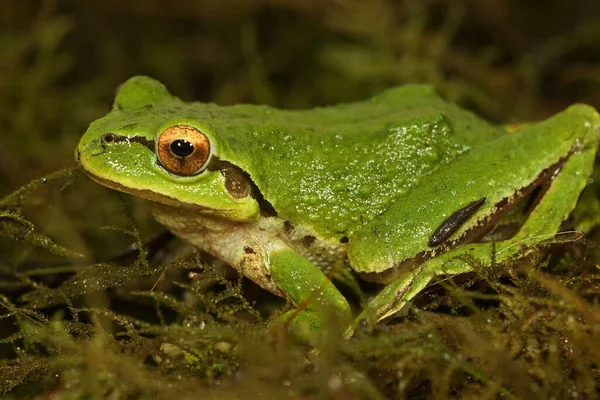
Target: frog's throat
474	234
146	194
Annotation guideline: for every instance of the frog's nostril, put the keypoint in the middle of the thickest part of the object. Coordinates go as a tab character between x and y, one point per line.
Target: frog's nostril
109	137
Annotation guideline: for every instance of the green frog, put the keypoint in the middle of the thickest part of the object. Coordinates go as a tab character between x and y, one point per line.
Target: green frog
401	187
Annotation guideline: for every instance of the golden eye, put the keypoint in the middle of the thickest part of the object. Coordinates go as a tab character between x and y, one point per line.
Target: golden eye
183	150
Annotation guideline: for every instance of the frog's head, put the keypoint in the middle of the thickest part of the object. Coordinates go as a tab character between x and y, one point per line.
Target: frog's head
153	146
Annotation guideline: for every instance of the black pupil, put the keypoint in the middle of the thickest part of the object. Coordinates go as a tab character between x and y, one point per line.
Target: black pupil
182	148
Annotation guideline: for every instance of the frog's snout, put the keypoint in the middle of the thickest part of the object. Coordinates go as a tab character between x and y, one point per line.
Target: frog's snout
83	151
89	149
80	152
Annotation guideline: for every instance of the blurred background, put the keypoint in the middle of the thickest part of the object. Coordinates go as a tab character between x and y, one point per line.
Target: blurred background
60	60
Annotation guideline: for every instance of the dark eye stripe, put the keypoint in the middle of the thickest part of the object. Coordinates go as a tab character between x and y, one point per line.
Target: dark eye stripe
453	222
114	138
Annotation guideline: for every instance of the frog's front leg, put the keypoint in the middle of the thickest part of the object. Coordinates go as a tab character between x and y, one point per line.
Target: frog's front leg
317	300
562	188
261	256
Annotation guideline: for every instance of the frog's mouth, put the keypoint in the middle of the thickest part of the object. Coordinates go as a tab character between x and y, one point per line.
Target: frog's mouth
145	194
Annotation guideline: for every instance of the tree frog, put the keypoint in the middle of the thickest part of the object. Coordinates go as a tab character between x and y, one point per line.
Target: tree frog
401	186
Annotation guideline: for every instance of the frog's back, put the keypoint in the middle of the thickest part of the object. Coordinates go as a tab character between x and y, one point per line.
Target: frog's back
395	106
336	168
331	169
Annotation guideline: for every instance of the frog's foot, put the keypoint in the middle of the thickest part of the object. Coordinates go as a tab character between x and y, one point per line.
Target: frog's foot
393	297
319	305
543	222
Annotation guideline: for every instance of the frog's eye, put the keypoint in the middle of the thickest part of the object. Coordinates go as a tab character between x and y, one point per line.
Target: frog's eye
183	150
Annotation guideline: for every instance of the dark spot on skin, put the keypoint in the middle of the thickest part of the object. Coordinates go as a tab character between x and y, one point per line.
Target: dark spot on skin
118	106
249	250
287	226
308	240
130	126
114	138
148	106
344	239
454	222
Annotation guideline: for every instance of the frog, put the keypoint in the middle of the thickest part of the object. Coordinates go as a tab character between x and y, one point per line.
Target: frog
399	188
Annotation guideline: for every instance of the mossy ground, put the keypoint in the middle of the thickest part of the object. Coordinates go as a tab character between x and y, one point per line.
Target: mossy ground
85	315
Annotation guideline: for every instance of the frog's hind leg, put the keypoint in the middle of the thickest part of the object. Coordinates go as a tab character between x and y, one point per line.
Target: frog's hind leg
545	219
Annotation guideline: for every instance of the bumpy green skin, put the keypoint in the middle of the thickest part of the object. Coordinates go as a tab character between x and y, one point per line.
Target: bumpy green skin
494	171
332	168
558	201
383	173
